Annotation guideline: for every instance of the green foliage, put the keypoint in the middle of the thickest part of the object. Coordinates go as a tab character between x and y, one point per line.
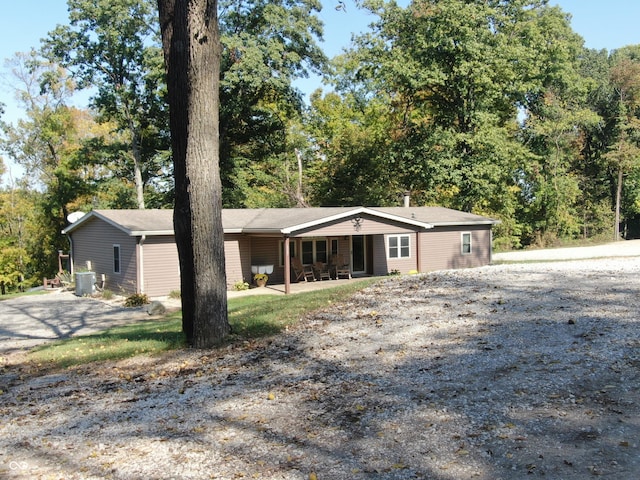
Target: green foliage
112	46
266	46
107	294
136	300
241	285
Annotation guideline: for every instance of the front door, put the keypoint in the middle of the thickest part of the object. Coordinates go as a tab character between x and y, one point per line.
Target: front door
358	254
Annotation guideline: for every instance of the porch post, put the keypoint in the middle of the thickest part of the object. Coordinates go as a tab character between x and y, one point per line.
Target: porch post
287	267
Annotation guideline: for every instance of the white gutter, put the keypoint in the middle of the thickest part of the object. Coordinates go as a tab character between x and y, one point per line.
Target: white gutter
141	260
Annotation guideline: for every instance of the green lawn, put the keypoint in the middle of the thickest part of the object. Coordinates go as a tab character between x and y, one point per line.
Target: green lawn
252	316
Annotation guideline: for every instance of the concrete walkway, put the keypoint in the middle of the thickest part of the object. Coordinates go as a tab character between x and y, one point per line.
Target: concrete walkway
31	320
300	287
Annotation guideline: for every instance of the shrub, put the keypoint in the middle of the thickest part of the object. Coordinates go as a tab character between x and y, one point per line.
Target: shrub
241	285
175	294
107	294
136	300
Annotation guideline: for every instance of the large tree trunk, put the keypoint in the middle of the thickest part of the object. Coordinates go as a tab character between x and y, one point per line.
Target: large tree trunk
192	56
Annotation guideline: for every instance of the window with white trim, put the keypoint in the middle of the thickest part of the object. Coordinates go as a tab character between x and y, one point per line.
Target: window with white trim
399	246
466	243
334	246
116	258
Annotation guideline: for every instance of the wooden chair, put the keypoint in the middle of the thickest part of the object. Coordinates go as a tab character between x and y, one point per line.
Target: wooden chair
302	271
342	267
322	271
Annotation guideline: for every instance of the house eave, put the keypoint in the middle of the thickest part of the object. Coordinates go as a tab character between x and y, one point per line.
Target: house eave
466	224
349	213
149	233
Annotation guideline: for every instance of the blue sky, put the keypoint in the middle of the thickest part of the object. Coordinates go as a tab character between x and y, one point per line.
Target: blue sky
604	24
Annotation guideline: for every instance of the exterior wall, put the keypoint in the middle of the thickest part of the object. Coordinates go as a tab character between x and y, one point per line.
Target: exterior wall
237	252
384	265
161	267
94	243
266	251
441	248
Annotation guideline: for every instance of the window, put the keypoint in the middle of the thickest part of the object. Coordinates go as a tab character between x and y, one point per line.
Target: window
466	243
334	246
116	259
314	250
399	246
292	251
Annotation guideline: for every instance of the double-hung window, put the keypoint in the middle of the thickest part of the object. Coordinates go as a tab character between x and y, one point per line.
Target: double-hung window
314	250
466	243
399	246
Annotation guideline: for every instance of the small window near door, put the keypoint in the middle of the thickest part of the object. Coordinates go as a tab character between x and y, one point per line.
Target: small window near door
466	243
399	246
292	251
334	246
116	259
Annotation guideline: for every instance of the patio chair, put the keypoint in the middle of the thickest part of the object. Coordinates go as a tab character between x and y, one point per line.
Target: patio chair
302	271
322	271
341	266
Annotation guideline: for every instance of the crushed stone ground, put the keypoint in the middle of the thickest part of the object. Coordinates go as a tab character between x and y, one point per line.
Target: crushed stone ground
501	372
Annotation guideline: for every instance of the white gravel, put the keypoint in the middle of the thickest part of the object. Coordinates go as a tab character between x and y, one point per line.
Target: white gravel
501	372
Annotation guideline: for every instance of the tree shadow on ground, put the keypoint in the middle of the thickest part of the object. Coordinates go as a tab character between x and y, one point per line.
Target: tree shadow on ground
438	376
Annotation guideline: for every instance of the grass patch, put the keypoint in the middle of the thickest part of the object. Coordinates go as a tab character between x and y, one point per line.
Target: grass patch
9	296
257	316
113	344
252	316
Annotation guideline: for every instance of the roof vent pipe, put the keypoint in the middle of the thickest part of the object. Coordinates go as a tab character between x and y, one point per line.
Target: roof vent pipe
406	198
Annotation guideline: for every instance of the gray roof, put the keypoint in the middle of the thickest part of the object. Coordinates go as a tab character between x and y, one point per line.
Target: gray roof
280	220
438	216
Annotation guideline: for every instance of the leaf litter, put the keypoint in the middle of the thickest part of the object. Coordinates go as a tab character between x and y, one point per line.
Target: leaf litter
500	372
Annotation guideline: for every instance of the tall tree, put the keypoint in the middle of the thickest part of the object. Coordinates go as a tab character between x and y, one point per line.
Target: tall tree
45	143
266	46
455	75
112	46
191	47
624	154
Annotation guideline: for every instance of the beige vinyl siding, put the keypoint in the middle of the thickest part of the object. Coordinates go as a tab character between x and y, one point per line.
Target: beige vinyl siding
368	226
266	251
161	266
94	243
237	252
441	248
403	265
379	257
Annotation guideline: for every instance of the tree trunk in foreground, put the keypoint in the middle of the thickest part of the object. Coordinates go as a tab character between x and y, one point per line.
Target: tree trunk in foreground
191	47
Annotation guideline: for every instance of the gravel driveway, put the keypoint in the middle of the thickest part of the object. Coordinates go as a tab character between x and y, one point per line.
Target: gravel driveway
35	319
504	372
